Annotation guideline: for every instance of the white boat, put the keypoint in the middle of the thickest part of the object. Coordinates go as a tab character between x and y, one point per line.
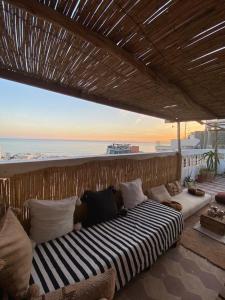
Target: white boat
122	149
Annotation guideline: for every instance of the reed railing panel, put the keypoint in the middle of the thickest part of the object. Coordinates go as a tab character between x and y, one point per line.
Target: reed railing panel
60	182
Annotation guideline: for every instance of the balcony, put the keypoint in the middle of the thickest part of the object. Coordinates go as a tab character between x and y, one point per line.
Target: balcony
192	162
159	58
57	179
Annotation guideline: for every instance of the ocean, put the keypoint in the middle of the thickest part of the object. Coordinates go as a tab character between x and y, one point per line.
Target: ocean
43	148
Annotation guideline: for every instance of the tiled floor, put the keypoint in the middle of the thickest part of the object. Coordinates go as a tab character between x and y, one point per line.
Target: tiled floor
179	274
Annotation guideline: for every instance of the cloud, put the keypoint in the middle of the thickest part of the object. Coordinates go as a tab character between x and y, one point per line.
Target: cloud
132	117
125	113
139	120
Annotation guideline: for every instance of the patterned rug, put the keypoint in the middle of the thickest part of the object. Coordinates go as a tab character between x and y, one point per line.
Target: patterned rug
178	275
217	237
204	246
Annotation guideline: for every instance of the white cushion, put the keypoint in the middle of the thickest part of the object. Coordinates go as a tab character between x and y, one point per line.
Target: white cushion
159	193
132	193
190	203
51	219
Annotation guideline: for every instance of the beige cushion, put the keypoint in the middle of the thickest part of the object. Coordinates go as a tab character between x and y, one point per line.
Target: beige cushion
51	219
97	287
159	193
132	193
16	252
191	204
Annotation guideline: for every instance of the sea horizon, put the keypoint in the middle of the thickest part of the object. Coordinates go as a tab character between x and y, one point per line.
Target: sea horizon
79	140
32	148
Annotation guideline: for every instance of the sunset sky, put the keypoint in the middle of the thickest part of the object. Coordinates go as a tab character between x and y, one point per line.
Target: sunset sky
28	112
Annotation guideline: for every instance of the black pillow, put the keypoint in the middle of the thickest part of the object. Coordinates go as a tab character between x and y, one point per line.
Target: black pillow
101	206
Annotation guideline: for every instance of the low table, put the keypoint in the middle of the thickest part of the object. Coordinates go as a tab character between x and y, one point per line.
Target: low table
214	224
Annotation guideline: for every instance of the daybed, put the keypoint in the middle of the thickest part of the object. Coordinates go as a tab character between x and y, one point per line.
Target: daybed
129	244
173	192
191	204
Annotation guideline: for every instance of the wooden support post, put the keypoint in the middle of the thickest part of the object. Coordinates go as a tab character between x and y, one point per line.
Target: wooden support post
216	150
178	138
179	165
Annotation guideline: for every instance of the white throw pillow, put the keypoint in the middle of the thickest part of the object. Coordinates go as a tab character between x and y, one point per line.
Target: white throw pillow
159	193
51	219
132	193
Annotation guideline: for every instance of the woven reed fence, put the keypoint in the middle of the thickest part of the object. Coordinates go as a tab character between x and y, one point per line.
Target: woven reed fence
60	182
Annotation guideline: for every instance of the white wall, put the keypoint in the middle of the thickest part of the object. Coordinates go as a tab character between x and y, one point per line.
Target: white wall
193	170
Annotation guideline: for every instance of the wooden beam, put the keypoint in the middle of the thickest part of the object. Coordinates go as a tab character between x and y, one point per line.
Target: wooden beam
51	15
73	92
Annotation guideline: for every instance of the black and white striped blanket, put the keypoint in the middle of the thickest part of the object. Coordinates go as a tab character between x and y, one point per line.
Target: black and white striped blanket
129	244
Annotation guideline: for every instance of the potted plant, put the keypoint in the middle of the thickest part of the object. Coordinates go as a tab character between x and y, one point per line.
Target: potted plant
203	175
212	160
188	181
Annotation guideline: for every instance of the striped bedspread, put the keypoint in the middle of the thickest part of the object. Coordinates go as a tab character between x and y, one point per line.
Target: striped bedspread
129	244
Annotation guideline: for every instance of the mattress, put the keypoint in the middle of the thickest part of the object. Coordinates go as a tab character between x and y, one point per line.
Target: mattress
129	244
190	203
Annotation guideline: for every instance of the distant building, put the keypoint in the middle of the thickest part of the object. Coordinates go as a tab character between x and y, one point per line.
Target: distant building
134	149
208	137
2	154
190	143
201	136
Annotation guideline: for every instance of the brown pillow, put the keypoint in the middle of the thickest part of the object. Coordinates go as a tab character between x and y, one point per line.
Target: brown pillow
196	192
173	204
101	286
174	188
16	252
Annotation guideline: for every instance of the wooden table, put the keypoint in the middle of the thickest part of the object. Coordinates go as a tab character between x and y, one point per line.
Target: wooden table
214	224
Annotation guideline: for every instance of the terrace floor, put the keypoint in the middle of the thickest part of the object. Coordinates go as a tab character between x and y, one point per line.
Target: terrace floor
217	185
180	274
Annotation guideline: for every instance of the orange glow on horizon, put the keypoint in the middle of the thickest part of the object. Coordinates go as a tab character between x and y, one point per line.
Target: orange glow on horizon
27	112
163	133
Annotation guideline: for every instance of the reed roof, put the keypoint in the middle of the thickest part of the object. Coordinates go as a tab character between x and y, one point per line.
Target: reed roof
163	58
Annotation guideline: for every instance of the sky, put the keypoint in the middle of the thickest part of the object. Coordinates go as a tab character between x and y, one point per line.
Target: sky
29	112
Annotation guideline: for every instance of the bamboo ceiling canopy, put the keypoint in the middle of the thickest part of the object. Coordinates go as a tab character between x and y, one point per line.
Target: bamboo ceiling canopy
164	58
